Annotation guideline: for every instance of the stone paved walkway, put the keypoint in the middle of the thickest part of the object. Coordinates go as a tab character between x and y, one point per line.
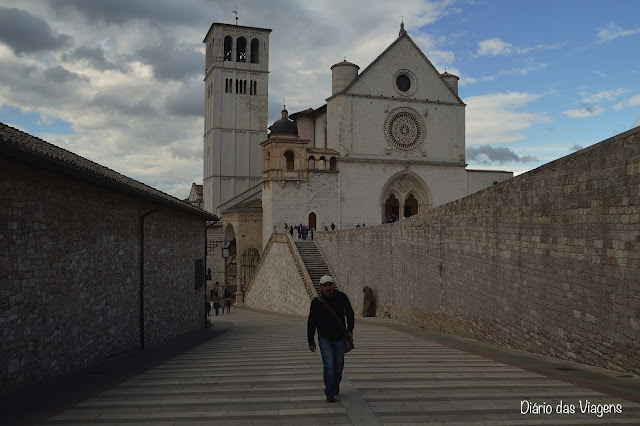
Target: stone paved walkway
261	372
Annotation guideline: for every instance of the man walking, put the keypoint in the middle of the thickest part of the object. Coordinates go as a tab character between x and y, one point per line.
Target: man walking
327	315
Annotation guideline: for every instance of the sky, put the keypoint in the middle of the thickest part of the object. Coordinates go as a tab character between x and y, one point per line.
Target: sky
120	82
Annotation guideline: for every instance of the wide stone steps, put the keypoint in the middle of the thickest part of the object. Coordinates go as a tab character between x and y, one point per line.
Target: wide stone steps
261	372
313	262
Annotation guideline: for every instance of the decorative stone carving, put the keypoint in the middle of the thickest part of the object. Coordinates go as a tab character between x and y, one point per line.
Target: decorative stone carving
403	185
369	305
404	129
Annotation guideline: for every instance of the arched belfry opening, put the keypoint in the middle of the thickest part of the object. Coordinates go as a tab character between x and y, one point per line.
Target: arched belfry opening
241	49
404	195
255	51
289	160
228	47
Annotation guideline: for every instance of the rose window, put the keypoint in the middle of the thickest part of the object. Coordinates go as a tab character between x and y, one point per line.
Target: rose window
404	129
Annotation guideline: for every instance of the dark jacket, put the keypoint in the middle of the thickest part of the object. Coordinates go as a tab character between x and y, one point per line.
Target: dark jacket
328	326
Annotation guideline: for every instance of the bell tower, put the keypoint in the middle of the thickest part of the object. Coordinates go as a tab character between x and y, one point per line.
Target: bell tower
236	83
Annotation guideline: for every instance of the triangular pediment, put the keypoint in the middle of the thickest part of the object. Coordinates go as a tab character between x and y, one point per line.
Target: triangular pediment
402	56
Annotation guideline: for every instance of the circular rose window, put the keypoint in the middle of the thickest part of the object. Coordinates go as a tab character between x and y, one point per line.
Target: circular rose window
404	129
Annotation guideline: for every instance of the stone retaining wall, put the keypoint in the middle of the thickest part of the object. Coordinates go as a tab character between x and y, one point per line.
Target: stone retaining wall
547	262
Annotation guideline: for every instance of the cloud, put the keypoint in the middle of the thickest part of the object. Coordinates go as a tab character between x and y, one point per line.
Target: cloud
187	101
173	61
576	147
95	57
493	47
496	118
603	95
585	112
632	101
612	31
25	33
487	155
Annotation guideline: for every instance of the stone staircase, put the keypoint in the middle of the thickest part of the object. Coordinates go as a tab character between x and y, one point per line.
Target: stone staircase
313	261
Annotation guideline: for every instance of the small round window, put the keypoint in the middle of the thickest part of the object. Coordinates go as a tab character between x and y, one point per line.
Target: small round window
403	82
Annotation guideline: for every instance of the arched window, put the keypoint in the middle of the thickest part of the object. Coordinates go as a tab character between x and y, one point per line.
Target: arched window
333	164
267	161
322	163
228	47
241	49
311	163
392	207
255	51
410	206
288	156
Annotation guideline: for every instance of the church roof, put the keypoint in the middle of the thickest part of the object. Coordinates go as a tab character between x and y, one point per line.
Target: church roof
39	153
403	34
309	112
247	205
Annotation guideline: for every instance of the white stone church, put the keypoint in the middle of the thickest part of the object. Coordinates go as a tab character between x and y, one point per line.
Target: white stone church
390	141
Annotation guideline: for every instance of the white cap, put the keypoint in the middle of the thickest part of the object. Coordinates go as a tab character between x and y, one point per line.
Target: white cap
326	279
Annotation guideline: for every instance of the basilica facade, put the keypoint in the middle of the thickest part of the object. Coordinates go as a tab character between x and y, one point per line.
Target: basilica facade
388	142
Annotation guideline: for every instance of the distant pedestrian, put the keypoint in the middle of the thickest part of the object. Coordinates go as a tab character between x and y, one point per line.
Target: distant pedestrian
311	233
291	231
216	306
286	226
207	306
223	305
228	303
305	232
333	226
299	232
325	228
357	225
363	225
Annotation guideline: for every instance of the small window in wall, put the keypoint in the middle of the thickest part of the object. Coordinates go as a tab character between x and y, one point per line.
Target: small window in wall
255	51
241	49
226	85
289	157
228	47
333	164
311	163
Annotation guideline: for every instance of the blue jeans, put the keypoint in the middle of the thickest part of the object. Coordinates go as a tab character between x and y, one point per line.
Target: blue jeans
333	361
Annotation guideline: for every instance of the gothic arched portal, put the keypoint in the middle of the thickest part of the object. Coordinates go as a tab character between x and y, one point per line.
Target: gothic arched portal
405	194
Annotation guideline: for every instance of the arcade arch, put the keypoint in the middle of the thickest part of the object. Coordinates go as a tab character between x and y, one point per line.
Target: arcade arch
405	194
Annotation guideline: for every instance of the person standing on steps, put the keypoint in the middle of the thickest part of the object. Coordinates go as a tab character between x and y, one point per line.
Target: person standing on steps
327	315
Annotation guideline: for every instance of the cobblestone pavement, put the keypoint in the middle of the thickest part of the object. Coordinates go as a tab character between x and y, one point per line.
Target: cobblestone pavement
261	372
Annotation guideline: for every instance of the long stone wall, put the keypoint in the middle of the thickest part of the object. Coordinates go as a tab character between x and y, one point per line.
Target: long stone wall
70	275
547	262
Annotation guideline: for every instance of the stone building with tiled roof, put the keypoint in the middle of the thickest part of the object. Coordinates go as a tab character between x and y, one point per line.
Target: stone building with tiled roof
92	263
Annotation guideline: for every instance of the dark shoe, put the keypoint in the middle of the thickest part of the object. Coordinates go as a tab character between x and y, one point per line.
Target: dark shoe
331	398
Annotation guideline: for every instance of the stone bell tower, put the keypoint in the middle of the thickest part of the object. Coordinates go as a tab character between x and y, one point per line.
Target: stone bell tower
236	85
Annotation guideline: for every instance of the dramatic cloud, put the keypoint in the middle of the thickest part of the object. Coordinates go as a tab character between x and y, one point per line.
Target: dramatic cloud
171	61
497	118
487	155
96	58
603	95
612	31
23	32
585	112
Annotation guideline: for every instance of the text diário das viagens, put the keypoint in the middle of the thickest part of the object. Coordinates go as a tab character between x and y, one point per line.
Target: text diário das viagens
584	407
